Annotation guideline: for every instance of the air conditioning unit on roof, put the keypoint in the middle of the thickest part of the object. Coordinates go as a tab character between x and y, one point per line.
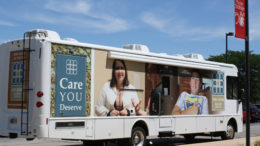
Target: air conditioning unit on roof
194	56
137	47
70	39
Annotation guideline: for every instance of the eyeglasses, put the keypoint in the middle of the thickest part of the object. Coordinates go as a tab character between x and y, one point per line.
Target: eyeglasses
119	68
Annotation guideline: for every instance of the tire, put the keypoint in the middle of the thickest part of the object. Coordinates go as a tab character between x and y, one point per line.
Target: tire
229	133
138	137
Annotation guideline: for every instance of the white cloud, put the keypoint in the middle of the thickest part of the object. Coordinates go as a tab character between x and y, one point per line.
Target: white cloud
109	24
180	27
7	23
105	25
76	6
90	17
152	20
43	18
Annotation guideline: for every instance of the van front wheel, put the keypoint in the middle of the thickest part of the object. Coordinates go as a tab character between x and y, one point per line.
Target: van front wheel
229	133
138	137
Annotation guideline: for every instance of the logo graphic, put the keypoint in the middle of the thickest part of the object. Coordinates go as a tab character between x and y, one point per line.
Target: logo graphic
71	67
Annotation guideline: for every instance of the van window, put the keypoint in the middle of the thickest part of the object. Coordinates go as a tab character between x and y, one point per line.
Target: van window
232	88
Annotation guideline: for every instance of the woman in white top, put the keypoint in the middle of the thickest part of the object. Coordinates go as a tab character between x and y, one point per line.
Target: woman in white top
118	97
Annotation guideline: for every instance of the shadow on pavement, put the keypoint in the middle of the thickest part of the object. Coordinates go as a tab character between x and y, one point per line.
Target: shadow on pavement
166	141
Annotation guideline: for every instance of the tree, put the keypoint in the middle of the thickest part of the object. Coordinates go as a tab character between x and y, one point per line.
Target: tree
238	58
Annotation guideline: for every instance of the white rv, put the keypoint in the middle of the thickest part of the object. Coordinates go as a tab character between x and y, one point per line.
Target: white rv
62	88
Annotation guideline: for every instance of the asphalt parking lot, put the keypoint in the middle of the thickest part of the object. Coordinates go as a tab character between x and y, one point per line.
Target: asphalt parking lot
175	141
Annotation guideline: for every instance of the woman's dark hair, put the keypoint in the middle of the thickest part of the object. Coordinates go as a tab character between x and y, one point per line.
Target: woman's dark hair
113	80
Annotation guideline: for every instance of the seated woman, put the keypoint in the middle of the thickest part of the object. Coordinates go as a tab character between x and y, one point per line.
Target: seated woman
118	97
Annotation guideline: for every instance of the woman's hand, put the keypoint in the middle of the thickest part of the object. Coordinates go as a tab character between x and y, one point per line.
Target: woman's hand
137	107
114	113
123	112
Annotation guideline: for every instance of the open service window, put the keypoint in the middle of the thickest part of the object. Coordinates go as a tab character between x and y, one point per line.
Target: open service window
172	90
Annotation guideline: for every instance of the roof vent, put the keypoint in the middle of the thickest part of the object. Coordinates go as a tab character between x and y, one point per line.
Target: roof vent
70	39
42	34
194	56
179	55
137	47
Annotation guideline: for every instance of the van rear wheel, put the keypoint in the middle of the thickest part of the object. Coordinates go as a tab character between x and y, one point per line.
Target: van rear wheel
138	137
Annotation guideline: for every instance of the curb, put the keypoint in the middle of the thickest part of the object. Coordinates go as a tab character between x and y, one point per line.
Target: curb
233	142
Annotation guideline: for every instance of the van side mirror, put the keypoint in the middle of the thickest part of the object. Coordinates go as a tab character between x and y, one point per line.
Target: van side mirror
241	95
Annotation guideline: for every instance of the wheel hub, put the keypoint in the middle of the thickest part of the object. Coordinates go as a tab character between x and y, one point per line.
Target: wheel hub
230	131
138	139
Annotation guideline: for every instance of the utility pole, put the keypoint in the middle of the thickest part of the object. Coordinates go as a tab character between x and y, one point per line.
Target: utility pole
247	77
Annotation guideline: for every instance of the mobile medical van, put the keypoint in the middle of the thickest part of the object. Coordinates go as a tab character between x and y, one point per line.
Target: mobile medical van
62	88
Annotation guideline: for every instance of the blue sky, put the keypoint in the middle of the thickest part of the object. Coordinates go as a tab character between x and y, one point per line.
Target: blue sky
165	26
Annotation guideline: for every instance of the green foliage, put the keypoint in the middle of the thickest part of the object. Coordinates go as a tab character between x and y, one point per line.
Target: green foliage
257	143
238	58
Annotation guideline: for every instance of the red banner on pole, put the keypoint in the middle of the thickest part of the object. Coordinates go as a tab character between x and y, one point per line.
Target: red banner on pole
240	19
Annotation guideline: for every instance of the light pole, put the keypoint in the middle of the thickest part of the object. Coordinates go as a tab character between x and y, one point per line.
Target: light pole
228	34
